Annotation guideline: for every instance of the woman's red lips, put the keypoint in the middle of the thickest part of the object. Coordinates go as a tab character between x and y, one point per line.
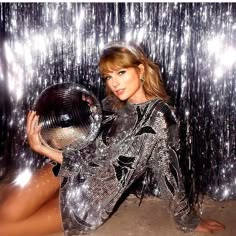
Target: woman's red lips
119	91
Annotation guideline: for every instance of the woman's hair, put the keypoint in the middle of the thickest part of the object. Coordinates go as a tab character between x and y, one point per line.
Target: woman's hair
122	55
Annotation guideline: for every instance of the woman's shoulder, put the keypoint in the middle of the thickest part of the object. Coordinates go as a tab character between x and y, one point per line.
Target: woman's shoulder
107	103
167	111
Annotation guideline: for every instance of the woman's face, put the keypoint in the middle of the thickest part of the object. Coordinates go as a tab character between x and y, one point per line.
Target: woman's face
125	83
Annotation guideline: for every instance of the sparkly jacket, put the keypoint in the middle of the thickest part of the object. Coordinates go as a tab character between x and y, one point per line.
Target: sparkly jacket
133	140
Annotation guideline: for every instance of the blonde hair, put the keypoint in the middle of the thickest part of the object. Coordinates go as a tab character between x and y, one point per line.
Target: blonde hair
121	55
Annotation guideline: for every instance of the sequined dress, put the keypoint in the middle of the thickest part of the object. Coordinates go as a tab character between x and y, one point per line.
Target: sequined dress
133	140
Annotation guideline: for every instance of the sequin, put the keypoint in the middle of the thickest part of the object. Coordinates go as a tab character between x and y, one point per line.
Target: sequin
133	140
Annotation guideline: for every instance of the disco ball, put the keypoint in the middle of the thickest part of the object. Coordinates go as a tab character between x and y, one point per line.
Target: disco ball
68	114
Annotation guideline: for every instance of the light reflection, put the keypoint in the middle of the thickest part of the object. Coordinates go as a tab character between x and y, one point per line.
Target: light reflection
23	178
68	5
79	19
187	35
9	54
186	113
226	192
39	43
218	73
19	93
228	58
223	54
215	45
128	36
183	59
19	48
167	38
140	35
101	45
11	84
54	15
57	35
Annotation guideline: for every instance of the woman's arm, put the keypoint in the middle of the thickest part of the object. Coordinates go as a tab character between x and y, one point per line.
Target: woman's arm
164	164
72	160
32	130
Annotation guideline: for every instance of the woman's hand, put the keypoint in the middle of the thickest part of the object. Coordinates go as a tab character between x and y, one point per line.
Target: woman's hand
32	130
209	226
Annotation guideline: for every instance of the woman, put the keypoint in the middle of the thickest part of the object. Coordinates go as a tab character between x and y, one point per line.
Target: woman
139	135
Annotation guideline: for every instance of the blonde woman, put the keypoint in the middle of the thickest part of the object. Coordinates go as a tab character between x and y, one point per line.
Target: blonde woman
139	134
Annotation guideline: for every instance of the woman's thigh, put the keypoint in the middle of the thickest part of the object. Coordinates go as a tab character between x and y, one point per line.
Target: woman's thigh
45	221
20	203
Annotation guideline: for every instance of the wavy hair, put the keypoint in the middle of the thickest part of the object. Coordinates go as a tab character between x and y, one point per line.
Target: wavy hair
122	55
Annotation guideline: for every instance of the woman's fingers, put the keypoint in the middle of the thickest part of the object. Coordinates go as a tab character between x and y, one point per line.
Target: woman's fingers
215	224
29	121
32	123
38	127
35	125
87	99
209	226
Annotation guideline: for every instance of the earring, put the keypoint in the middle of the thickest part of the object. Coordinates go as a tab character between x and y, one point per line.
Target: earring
142	78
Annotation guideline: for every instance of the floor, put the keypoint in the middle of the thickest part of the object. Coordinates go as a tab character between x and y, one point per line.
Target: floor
152	219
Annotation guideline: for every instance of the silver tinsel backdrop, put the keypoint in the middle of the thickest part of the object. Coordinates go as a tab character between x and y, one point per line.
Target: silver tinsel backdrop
42	44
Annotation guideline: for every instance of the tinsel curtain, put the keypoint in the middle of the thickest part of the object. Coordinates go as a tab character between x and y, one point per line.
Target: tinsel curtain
46	43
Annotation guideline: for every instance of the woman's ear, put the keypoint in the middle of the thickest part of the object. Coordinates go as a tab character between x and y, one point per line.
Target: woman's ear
141	69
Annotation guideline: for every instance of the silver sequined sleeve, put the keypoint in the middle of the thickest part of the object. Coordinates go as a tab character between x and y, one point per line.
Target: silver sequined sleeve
164	165
77	161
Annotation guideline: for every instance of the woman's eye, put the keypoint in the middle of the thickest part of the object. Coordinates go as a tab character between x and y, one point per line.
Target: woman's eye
107	77
121	72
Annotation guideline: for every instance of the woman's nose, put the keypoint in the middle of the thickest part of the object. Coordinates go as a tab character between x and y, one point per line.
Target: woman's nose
115	81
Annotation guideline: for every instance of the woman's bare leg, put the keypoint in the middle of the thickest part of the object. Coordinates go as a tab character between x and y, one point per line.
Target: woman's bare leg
21	203
44	221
